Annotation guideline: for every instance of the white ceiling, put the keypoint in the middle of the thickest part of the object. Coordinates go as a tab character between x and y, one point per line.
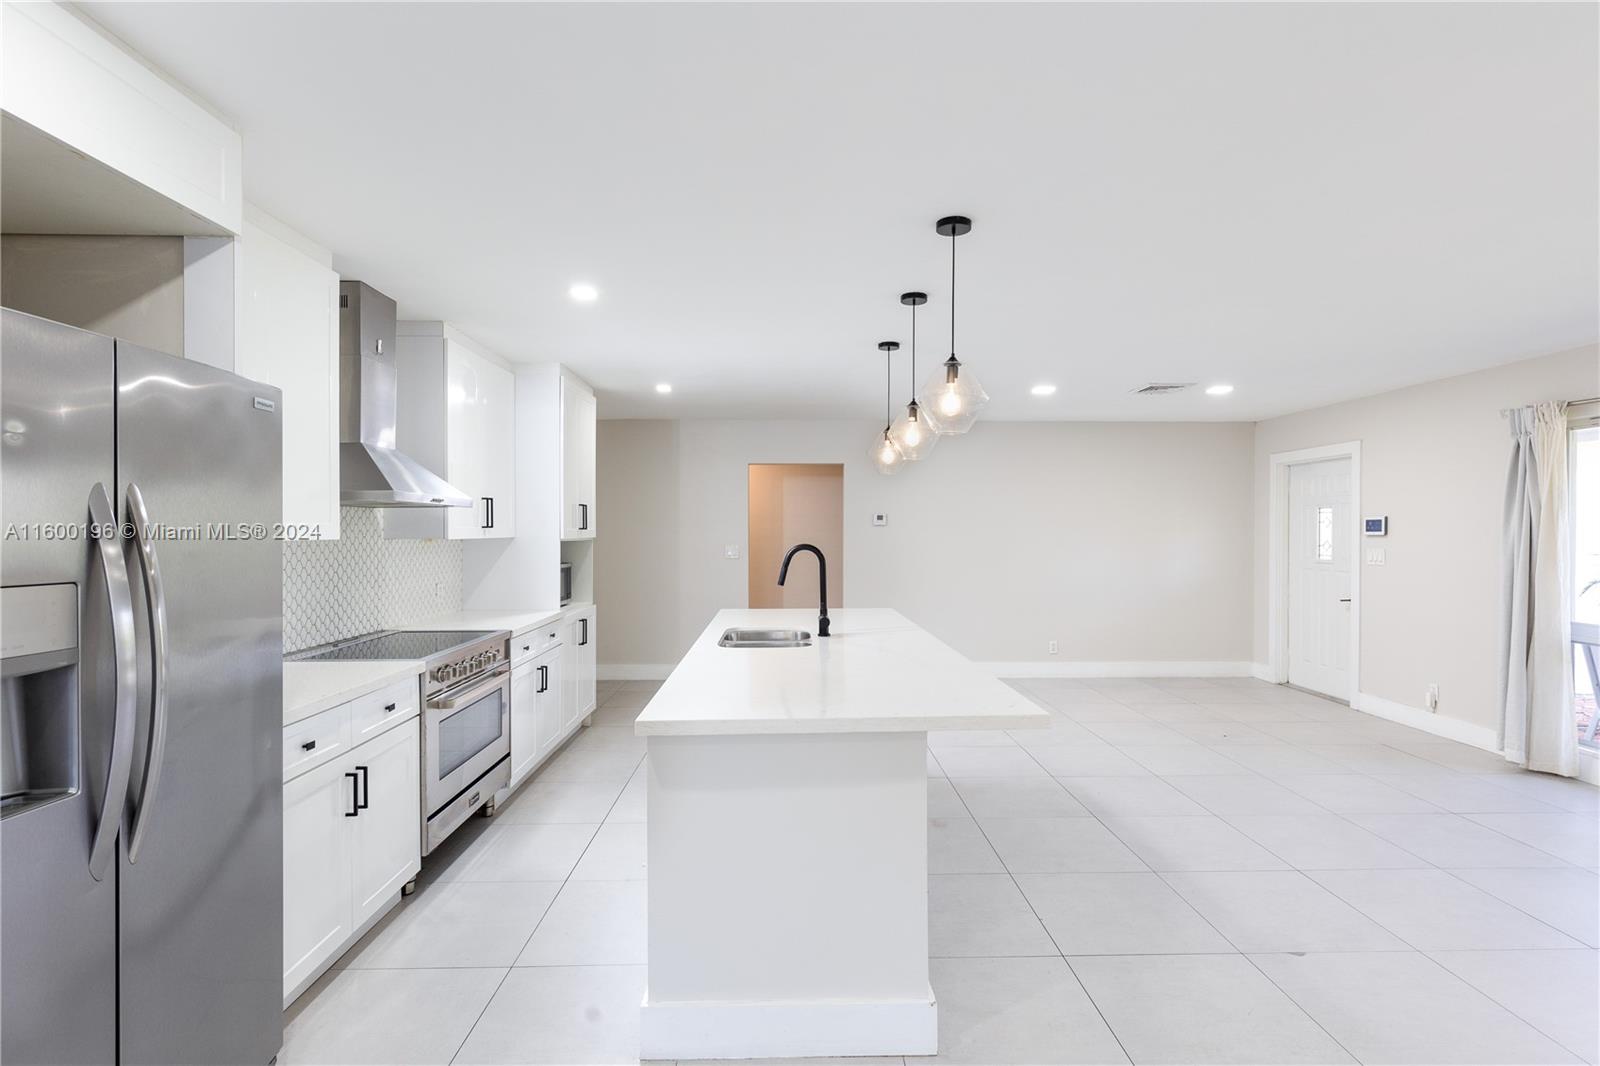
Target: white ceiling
1310	202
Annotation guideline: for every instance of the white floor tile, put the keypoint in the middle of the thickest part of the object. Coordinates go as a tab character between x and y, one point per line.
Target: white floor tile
1258	713
1355	794
521	853
541	801
1556	992
1433	911
599	767
957	846
1125	733
1373	758
1400	1007
1190	843
982	916
1579	797
1017	797
934	769
988	762
1059	731
969	738
994	1011
1181	760
943	802
560	1015
1278	760
1087	713
1222	732
1573	837
1323	842
1201	1009
1118	796
1455	756
617	853
1243	793
1118	914
1465	793
613	738
632	803
591	923
1280	911
1098	759
1566	899
1451	840
387	1017
463	923
1058	845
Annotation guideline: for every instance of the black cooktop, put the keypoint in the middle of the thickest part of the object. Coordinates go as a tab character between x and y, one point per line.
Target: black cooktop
404	644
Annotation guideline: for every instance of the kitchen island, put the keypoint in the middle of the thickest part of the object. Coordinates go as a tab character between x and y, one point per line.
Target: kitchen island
788	847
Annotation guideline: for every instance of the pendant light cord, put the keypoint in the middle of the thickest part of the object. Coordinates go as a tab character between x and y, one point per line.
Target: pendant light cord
888	390
952	292
913	352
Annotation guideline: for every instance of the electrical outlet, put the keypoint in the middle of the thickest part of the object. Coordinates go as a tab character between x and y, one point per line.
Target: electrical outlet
1054	648
1433	697
880	519
730	551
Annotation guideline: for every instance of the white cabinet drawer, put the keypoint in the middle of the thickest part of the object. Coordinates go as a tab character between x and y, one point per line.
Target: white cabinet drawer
309	744
384	709
534	642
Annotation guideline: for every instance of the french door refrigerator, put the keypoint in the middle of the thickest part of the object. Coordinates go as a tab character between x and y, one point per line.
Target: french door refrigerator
141	828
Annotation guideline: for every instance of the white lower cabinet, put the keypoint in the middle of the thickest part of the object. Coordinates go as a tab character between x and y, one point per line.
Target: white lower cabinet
352	838
386	848
583	668
316	871
524	701
550	726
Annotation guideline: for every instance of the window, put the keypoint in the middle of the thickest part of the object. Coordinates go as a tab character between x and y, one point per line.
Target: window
1584	470
1324	534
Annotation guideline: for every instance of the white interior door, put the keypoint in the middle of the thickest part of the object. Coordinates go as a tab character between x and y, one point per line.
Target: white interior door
1320	557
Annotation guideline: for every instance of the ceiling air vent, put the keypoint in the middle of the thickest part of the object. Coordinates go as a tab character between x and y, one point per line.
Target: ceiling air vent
1160	388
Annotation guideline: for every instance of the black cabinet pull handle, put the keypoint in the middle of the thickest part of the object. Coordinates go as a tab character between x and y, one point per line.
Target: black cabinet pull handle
355	807
584	625
487	520
544	679
583	516
366	789
491	512
308	745
387	707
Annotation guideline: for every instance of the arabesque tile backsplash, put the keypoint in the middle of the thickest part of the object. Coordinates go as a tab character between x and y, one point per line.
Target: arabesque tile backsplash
337	589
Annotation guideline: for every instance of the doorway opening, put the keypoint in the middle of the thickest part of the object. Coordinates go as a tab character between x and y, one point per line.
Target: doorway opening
1314	574
795	503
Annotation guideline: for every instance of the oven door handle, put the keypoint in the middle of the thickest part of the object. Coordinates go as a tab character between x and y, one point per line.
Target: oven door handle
497	680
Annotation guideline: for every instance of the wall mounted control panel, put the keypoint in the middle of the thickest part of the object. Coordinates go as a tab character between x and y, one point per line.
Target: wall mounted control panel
1376	526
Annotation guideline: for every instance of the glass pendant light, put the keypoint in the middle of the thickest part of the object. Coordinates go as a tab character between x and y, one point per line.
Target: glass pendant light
912	433
885	456
952	399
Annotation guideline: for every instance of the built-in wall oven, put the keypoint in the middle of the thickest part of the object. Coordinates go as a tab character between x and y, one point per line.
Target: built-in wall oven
466	717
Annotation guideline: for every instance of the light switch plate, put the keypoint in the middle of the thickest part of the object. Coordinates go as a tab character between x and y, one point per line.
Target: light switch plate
730	551
1374	556
880	519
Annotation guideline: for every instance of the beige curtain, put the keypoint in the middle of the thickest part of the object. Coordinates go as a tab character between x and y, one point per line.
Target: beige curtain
1537	724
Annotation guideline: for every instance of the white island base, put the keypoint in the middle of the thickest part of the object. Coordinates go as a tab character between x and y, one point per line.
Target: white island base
788	910
788	842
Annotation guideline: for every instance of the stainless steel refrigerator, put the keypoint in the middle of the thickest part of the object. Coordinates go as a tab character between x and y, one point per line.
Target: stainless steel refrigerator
141	843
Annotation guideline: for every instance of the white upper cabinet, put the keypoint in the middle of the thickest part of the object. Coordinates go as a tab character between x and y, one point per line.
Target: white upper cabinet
577	460
62	77
288	336
457	416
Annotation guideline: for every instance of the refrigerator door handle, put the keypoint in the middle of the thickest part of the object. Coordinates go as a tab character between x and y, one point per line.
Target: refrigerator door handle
156	599
107	535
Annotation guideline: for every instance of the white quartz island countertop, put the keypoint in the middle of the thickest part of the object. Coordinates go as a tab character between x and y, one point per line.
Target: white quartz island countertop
876	673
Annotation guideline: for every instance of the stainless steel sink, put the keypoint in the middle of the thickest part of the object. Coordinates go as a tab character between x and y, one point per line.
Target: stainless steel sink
764	638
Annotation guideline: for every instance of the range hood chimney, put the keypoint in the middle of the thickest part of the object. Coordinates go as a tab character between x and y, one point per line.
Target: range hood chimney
371	472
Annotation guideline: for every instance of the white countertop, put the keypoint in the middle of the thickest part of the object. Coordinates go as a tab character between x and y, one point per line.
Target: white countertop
515	621
311	688
877	673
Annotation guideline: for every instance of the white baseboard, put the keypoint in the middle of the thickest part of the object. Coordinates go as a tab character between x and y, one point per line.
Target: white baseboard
1125	669
1437	724
633	671
732	1030
1589	765
1262	672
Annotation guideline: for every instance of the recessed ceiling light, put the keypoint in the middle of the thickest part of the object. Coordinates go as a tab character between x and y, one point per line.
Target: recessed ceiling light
1218	390
1043	390
584	293
663	388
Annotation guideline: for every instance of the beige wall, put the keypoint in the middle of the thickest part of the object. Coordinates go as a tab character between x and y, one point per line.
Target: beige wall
1124	542
795	503
1433	458
128	287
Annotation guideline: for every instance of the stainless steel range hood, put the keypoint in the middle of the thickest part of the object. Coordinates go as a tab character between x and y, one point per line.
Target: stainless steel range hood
371	472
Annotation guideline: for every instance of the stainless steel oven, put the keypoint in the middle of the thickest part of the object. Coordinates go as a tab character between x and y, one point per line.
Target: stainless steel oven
466	732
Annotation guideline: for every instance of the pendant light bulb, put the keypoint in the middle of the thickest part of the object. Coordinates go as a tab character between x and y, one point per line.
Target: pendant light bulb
912	433
952	398
884	452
